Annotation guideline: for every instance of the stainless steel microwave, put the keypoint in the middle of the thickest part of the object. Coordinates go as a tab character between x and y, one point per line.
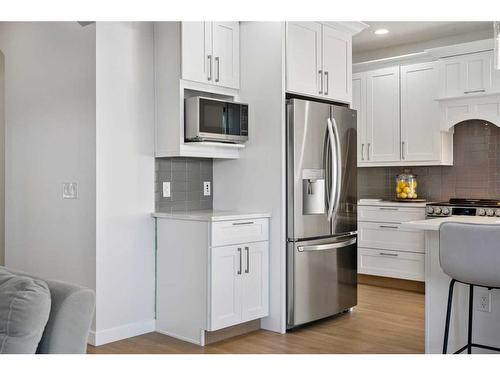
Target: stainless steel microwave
209	119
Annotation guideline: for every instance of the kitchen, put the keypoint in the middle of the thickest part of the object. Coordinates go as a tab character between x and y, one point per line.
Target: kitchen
296	175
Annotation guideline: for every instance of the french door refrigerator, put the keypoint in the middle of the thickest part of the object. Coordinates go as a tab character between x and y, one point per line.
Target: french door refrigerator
321	210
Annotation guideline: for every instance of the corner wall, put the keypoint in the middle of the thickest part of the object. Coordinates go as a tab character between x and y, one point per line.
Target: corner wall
2	160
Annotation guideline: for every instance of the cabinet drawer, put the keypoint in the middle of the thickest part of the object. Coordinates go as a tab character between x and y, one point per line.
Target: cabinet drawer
388	263
390	214
239	231
390	236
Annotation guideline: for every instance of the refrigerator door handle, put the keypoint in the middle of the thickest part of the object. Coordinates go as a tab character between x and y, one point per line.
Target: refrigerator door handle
339	164
328	246
336	165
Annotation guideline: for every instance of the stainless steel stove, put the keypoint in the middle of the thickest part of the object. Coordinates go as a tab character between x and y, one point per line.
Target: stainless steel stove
469	207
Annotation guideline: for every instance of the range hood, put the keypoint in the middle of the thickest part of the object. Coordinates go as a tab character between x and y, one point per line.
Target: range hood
480	107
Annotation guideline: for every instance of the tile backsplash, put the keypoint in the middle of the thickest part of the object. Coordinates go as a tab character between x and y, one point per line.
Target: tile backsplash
186	176
475	172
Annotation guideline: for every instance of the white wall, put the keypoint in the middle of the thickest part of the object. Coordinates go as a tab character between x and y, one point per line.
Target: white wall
49	139
2	162
125	180
256	181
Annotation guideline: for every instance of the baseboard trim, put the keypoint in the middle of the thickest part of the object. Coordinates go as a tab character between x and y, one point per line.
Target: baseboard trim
389	282
105	336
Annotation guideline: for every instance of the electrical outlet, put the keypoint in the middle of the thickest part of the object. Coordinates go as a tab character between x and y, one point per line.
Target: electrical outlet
166	189
206	188
484	302
70	190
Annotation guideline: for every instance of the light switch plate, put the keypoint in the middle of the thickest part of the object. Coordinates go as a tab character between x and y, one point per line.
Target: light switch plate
166	189
206	188
70	190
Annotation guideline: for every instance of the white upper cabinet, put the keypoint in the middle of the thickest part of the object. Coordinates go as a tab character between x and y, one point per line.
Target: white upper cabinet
468	74
318	61
303	58
337	64
359	104
211	53
420	131
382	115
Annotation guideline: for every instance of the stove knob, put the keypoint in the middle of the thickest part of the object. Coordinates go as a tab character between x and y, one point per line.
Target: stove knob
481	212
430	210
497	212
490	212
437	210
446	211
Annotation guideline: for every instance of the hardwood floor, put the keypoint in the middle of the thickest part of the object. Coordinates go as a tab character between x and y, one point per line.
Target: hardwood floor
385	321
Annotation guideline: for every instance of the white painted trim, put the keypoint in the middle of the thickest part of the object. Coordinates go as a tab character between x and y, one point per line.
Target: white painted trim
183	338
393	60
351	27
106	336
461	49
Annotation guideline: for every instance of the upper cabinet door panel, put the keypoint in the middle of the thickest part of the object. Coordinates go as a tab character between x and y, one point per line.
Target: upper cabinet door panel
303	57
226	51
359	104
196	51
337	64
420	131
382	115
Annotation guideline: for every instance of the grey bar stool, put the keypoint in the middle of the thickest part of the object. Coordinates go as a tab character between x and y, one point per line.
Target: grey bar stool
469	254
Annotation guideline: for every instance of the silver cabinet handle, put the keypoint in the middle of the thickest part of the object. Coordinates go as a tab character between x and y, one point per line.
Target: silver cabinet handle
209	75
217	66
327	83
389	226
362	151
387	254
239	251
388	209
328	246
248	259
368	151
320	72
474	91
244	223
403	150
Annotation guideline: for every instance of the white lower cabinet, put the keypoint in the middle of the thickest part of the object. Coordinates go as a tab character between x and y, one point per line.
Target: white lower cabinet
211	273
385	249
238	284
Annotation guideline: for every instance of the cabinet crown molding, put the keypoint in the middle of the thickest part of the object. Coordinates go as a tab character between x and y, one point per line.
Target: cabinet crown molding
350	27
461	49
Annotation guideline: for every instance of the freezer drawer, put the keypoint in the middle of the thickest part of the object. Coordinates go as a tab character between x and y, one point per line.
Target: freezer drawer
322	279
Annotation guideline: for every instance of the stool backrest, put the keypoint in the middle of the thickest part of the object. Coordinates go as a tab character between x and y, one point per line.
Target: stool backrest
470	253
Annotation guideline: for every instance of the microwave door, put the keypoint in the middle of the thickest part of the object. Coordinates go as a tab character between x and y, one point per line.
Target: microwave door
212	118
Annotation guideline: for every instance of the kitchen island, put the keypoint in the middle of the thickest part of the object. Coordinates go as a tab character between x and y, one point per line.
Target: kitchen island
486	325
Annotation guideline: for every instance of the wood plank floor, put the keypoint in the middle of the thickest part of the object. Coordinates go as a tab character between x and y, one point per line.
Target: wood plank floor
385	321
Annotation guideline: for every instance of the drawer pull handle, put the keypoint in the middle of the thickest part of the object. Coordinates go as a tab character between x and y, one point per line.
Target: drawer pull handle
474	91
389	209
387	254
239	251
244	223
389	226
248	259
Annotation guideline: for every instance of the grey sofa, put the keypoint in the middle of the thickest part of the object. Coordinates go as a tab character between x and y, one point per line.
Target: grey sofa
71	313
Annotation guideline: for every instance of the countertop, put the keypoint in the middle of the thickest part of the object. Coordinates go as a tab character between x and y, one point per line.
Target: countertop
386	203
211	215
433	224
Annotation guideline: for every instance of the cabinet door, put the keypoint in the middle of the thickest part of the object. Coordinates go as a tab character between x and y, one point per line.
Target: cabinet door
420	131
255	290
226	47
359	104
303	58
382	115
197	51
337	64
225	286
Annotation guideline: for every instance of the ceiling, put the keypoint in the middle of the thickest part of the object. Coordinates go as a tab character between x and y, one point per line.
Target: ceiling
401	33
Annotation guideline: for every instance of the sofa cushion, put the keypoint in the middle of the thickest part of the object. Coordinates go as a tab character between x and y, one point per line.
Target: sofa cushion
24	311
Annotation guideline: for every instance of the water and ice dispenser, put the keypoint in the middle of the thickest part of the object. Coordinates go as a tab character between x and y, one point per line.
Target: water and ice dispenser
313	191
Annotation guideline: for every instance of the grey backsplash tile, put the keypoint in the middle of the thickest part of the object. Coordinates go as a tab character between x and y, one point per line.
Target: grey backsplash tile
186	176
475	173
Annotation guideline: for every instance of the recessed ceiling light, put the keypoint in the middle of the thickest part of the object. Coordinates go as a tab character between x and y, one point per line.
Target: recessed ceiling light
381	31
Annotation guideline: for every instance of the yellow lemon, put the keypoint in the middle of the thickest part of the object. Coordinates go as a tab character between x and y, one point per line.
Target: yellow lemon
403	195
398	190
406	190
399	195
415	196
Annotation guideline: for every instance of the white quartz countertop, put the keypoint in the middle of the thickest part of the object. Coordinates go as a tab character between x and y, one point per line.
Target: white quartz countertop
433	224
386	203
211	215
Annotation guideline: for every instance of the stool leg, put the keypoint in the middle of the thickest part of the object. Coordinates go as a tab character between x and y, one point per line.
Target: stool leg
448	316
471	303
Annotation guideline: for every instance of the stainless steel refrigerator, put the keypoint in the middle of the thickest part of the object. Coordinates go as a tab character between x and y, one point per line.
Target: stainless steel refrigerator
321	211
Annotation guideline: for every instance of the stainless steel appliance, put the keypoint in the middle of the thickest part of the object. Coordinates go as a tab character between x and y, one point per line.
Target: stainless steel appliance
461	206
209	119
321	211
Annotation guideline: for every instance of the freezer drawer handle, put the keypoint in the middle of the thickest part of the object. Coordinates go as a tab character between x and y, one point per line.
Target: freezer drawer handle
387	254
328	246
